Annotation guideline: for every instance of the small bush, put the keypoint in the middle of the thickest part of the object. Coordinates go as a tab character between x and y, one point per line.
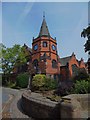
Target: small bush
38	81
64	88
22	80
41	82
81	87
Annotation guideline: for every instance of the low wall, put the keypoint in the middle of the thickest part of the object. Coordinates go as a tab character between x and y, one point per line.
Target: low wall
37	106
75	106
71	106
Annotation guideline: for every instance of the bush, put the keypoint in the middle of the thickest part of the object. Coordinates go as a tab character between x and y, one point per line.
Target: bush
22	80
38	81
64	88
82	75
41	82
81	87
50	84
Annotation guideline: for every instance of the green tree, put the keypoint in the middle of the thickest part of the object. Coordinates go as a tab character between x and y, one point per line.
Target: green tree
22	80
86	33
11	57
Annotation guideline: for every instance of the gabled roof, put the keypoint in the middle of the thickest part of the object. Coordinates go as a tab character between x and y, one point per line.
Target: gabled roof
64	60
27	48
44	29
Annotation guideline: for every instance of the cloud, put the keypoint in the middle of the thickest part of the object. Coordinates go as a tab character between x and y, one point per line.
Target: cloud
25	12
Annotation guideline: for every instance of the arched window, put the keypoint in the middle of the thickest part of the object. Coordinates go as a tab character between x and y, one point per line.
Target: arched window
44	44
35	63
75	69
54	63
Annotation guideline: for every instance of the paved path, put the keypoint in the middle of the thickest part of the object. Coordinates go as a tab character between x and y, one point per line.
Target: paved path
11	104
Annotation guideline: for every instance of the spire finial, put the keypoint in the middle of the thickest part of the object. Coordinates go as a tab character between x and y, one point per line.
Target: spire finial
43	14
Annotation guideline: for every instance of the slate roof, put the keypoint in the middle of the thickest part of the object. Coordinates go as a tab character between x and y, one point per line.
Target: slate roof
64	60
44	29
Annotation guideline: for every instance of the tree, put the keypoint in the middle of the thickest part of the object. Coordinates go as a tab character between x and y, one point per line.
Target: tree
86	33
11	57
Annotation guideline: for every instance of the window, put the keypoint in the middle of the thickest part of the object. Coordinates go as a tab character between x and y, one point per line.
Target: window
75	69
44	44
35	47
53	47
54	64
35	63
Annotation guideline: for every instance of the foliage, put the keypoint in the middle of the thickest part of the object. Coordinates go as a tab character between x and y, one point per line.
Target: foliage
11	58
38	81
54	98
11	84
22	80
50	84
64	88
14	56
86	33
82	75
41	82
81	87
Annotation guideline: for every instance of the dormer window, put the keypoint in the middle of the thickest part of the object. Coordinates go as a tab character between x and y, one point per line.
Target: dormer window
44	44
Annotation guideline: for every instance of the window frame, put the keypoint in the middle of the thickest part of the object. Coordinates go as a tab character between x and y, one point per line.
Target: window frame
54	63
44	42
53	47
35	47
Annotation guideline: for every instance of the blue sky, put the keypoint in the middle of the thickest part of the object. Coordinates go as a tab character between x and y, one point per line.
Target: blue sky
21	21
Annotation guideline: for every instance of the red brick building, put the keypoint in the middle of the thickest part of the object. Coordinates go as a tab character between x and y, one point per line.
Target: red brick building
44	50
44	57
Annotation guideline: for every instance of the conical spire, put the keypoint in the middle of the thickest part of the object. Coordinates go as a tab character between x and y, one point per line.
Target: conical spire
44	29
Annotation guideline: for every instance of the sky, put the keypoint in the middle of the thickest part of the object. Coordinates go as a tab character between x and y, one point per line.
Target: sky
21	21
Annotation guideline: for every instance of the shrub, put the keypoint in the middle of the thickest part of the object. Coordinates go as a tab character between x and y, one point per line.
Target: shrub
81	87
50	84
64	88
22	80
82	75
38	81
41	82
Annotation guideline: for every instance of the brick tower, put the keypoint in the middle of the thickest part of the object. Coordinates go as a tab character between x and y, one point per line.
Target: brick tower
44	53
